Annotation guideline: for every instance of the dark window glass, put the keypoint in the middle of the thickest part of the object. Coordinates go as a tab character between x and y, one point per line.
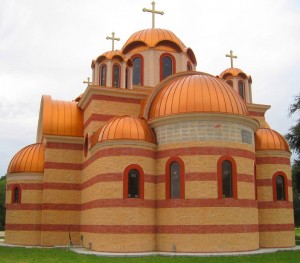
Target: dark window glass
175	180
227	179
242	89
116	76
16	195
103	76
133	183
280	187
189	68
137	70
167	65
126	79
230	83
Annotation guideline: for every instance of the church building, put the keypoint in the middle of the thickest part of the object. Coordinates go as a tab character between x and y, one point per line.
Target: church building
153	156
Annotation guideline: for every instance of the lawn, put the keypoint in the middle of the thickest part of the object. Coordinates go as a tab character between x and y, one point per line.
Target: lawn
44	255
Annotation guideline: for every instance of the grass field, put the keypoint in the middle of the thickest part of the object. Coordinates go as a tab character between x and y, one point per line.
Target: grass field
43	255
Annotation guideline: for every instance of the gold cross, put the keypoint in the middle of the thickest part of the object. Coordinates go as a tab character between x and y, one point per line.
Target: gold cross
231	56
87	82
113	38
153	11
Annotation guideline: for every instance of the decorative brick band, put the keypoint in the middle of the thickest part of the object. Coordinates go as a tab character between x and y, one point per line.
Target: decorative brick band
256	113
63	166
274	204
98	117
129	202
276	227
64	146
272	160
268	182
27	186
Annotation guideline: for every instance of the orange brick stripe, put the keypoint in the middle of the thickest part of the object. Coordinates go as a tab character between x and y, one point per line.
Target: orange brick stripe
276	204
24	206
268	182
65	207
276	227
272	160
205	151
40	227
64	146
62	186
256	113
63	166
226	202
119	229
112	98
98	117
206	229
27	186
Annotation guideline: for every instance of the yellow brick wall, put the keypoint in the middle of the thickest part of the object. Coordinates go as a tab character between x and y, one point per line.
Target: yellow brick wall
28	238
277	239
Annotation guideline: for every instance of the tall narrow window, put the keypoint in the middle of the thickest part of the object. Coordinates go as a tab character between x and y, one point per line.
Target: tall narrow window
167	66
103	75
116	76
175	180
137	76
16	195
133	183
227	179
189	66
280	189
126	79
242	89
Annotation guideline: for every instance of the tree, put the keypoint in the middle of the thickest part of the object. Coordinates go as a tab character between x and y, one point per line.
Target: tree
2	202
293	138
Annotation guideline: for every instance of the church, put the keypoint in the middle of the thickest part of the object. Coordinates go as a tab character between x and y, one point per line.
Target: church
153	156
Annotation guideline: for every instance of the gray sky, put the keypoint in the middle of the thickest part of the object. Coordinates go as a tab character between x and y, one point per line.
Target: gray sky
46	47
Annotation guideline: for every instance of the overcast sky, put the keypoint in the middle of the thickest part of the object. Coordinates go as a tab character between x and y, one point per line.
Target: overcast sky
46	47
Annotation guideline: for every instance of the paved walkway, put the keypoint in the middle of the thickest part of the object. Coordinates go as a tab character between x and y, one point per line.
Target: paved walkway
81	250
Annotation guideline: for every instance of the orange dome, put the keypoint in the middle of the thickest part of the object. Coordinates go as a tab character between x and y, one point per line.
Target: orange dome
268	139
29	159
234	72
197	92
125	127
152	38
111	55
59	118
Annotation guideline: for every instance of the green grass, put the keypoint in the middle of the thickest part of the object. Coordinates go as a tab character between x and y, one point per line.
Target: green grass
44	255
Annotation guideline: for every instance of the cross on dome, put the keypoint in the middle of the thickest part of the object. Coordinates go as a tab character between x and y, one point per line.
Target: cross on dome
87	82
231	56
113	38
153	11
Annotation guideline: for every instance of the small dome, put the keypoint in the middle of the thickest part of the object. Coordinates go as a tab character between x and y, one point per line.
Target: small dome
268	139
152	38
115	54
192	93
233	72
125	128
30	159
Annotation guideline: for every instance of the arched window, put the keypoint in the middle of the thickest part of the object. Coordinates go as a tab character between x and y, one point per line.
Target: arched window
242	89
189	66
227	178
103	75
175	178
229	82
167	65
280	187
116	76
126	78
138	68
133	183
16	194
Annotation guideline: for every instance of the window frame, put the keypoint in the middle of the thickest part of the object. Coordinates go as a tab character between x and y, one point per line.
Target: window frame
100	74
141	69
14	187
126	180
162	56
274	184
168	177
244	90
113	75
233	177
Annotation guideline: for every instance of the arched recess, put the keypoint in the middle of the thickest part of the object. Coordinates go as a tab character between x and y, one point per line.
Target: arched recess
167	65
127	180
138	69
283	195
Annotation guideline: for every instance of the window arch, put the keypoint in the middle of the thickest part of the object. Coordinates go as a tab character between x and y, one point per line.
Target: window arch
189	66
138	70
227	178
175	178
229	82
241	88
16	194
133	182
167	65
280	187
103	70
116	76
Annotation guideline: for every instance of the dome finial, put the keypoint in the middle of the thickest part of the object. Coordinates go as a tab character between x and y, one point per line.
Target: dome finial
153	11
231	56
113	38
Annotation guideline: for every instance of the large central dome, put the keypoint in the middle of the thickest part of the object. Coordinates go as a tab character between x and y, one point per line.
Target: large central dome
194	93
